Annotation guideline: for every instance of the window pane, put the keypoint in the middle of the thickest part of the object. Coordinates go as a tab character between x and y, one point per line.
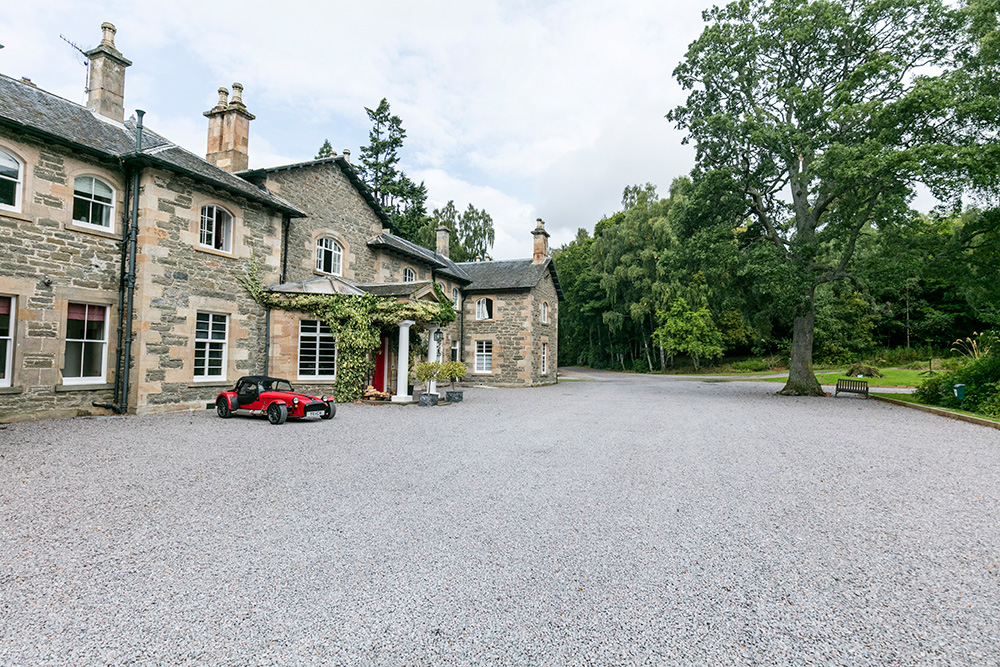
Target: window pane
8	190
83	185
75	329
74	359
95	330
102	215
102	192
9	167
199	358
93	354
81	210
4	324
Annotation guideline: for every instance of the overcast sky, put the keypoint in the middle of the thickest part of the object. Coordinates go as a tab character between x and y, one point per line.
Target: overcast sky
526	109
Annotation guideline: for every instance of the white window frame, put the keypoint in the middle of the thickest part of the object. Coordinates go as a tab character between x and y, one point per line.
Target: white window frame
319	335
409	275
545	312
456	296
88	379
110	227
207	228
18	183
455	351
545	359
484	357
484	308
7	360
328	246
208	341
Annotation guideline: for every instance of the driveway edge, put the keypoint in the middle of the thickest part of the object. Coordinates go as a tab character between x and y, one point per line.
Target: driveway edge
940	411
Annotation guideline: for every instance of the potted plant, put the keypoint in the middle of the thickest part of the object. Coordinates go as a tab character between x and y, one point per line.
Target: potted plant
427	371
453	371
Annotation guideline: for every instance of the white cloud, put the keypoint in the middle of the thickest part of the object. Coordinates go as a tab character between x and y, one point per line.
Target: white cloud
522	108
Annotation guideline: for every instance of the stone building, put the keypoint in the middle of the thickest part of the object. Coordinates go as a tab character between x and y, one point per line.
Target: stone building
122	254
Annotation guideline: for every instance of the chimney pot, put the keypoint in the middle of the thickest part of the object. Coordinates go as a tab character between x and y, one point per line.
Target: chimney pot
223	97
237	94
108	31
347	155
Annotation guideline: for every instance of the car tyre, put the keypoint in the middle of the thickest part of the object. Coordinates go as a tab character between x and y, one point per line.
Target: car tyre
330	411
222	407
277	413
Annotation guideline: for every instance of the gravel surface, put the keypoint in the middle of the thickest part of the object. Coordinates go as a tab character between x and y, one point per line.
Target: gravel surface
624	520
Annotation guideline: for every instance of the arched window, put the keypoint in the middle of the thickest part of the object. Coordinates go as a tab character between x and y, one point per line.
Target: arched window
329	256
216	228
545	312
11	175
408	275
455	296
484	309
93	202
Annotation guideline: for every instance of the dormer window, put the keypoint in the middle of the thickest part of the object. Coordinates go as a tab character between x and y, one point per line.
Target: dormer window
93	202
329	256
408	275
216	228
484	309
10	182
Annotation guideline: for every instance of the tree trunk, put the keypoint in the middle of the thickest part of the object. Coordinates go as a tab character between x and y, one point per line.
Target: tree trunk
801	379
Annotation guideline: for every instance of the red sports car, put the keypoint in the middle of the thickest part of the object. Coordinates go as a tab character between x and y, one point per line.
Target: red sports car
259	394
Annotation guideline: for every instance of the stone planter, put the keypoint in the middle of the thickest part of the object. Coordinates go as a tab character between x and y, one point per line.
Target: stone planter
428	399
453	396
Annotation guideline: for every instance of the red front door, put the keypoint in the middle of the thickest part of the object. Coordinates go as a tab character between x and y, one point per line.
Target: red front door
381	360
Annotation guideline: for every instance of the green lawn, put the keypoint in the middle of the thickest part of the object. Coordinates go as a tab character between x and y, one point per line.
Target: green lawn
894	377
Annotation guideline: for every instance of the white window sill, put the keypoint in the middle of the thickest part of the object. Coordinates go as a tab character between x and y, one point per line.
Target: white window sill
98	230
213	251
90	384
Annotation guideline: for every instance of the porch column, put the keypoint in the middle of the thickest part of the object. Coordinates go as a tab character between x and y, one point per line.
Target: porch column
432	355
403	363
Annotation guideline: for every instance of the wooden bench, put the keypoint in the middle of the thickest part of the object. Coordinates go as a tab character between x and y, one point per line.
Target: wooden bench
852	387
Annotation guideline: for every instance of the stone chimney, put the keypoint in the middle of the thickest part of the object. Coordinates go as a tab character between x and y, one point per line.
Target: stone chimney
443	240
229	131
541	243
106	95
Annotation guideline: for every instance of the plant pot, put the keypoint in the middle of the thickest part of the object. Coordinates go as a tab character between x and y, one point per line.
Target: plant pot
453	396
428	399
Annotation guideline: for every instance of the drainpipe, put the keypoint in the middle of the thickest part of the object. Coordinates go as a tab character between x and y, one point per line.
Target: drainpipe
133	242
286	223
267	338
126	289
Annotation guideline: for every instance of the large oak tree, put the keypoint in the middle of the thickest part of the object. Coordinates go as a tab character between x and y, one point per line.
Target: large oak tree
822	116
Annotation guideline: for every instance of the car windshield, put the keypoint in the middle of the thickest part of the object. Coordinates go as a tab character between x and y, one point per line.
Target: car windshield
277	385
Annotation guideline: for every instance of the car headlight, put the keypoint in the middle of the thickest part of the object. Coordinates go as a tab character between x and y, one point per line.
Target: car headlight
295	401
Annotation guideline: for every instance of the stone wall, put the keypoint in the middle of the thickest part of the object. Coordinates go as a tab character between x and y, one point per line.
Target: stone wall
46	262
177	278
335	209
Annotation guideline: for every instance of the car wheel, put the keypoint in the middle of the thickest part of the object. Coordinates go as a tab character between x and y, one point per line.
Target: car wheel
277	413
222	407
330	411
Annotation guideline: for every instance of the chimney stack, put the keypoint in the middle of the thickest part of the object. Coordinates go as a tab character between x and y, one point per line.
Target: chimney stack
106	95
229	131
443	240
541	243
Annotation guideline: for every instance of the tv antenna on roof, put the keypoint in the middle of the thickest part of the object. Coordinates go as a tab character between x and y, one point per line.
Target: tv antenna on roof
86	61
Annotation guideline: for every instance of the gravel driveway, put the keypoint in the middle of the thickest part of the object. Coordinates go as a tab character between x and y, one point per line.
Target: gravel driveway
624	520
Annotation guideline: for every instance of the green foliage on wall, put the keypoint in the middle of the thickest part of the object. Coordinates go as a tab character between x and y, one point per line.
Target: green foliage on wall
356	321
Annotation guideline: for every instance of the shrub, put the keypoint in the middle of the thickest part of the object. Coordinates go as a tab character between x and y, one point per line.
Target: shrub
453	371
757	365
980	377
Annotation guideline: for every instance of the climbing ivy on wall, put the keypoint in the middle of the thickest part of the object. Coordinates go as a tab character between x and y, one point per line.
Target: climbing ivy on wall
356	321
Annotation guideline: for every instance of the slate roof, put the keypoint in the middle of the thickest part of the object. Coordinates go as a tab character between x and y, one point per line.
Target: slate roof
508	275
404	290
443	265
37	112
